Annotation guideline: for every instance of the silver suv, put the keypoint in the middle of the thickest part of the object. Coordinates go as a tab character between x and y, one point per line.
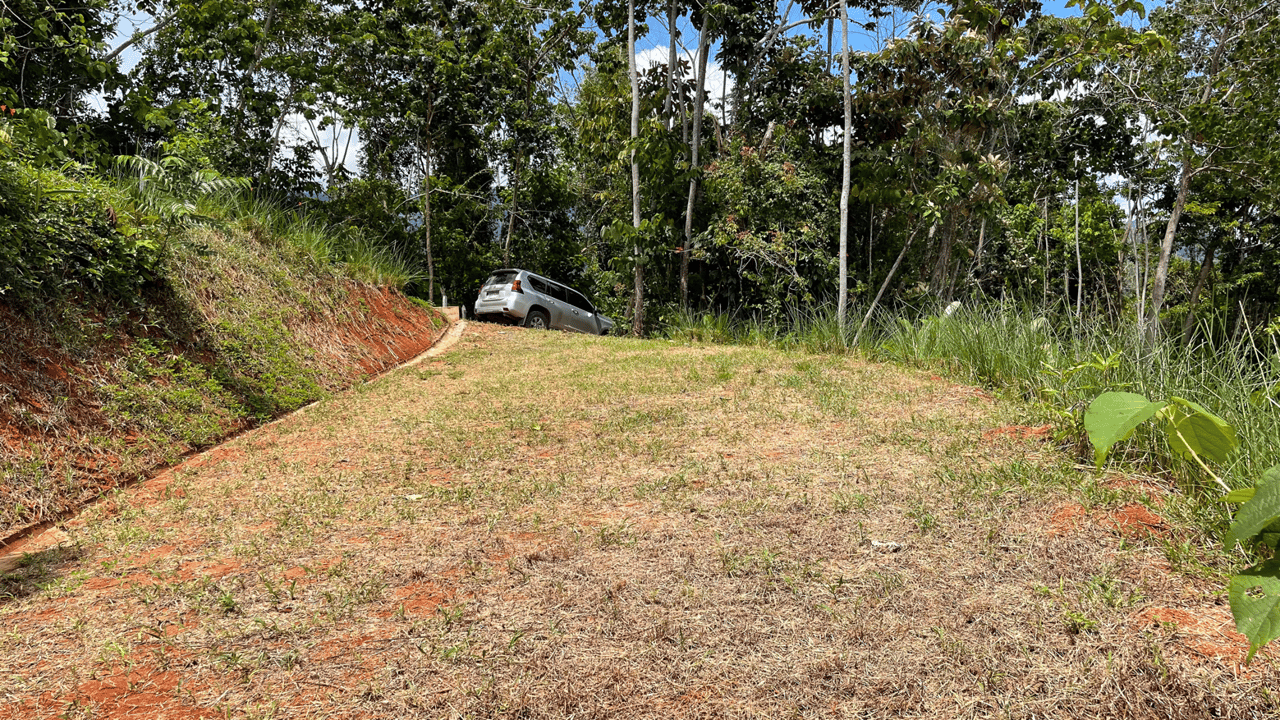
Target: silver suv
519	296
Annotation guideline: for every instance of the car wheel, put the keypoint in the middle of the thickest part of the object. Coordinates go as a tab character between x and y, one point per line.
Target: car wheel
537	320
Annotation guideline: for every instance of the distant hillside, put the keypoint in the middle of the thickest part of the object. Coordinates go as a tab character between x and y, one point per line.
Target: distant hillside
237	325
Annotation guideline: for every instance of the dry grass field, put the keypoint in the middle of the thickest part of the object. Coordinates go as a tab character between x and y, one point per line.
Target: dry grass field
539	525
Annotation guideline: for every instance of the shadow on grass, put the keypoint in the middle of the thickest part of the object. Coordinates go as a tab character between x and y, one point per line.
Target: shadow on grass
36	571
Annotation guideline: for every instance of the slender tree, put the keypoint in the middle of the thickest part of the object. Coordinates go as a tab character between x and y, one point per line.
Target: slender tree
700	96
847	94
637	323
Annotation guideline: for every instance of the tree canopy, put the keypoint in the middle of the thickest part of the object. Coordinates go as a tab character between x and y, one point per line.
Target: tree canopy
1108	162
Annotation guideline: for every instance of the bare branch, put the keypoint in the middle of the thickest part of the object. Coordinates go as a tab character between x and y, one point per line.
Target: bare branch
140	36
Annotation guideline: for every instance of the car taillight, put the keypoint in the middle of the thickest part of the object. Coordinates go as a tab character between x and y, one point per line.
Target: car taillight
515	286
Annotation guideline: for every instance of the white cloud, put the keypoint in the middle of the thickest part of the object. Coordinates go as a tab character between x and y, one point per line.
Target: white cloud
342	144
719	84
1078	89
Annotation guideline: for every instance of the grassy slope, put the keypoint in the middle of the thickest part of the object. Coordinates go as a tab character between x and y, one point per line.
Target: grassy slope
541	525
240	327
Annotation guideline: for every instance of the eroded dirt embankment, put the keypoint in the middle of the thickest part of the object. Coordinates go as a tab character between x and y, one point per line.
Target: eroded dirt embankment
93	397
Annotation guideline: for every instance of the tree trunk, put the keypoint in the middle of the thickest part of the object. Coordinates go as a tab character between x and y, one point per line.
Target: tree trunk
977	258
253	68
1146	263
829	53
741	83
1044	237
684	122
842	299
275	133
515	171
1189	325
511	213
1166	249
426	223
1131	233
887	279
952	278
1079	265
671	65
871	229
700	96
266	30
940	276
1066	281
637	322
725	118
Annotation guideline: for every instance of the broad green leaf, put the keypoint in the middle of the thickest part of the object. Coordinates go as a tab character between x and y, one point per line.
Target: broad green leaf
1270	476
1270	535
1112	417
1195	432
1255	603
1259	512
1239	495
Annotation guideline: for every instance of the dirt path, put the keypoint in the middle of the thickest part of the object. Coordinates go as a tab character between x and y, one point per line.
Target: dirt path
540	525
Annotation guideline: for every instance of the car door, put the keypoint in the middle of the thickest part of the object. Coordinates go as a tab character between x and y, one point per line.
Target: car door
581	316
553	297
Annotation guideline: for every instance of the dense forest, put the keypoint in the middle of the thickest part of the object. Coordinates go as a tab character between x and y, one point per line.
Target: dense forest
1118	163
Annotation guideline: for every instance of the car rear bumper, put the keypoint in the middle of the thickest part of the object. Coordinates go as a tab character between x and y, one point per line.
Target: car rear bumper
501	307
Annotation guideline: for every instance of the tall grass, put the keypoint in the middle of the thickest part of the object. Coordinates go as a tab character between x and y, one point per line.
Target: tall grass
380	265
815	331
322	244
1057	361
1066	363
172	192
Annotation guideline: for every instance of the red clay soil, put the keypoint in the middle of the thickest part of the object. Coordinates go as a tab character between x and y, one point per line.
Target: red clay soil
1204	629
1132	521
51	411
138	693
1067	519
1018	432
1135	520
1208	632
401	337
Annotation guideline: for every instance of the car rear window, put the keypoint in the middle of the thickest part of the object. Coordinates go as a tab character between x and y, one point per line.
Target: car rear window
501	278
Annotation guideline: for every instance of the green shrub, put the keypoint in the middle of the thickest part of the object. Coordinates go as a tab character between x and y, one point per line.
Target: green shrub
61	233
